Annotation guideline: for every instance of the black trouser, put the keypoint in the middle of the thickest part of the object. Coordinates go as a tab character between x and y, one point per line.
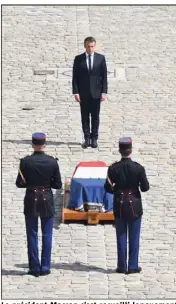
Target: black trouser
90	107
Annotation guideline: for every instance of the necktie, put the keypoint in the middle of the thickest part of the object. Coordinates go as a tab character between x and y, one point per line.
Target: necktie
89	63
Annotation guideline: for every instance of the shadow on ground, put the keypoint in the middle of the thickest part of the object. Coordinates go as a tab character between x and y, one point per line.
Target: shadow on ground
76	266
49	142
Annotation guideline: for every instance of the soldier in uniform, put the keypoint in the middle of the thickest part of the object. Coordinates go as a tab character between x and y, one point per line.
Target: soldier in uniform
38	173
124	179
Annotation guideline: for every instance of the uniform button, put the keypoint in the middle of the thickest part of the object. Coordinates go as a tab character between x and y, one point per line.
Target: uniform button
43	190
35	199
130	201
35	190
44	199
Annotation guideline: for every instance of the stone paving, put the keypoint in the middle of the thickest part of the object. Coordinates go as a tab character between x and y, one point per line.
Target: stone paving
38	47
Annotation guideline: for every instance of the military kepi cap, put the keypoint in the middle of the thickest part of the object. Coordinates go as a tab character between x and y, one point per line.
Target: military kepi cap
125	143
38	138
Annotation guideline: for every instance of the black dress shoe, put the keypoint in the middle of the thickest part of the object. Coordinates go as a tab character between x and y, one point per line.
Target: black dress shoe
44	273
138	270
35	274
94	143
118	270
86	143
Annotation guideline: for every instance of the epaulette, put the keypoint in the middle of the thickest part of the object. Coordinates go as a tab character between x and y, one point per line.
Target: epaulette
113	163
136	163
20	159
24	157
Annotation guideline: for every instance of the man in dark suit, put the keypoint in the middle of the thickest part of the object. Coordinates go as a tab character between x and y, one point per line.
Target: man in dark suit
89	85
124	178
38	173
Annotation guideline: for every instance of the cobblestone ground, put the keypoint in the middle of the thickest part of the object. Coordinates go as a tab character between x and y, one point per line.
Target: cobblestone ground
139	44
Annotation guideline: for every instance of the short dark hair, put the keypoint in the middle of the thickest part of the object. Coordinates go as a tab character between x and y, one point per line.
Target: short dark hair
90	39
125	152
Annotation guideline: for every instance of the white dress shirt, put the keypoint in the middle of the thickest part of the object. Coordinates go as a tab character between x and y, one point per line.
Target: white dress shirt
87	60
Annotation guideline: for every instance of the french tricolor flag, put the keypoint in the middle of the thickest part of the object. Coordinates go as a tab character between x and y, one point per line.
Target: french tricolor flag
87	187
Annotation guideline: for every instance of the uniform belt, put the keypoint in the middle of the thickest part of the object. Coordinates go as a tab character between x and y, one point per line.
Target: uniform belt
127	191
38	188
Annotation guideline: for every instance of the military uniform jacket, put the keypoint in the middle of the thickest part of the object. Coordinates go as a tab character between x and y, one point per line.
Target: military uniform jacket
38	173
126	176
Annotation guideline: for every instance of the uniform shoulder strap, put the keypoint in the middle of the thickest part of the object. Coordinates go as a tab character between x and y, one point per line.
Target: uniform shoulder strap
21	174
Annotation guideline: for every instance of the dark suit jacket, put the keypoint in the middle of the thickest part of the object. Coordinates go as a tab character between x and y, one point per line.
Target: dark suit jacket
87	83
127	174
